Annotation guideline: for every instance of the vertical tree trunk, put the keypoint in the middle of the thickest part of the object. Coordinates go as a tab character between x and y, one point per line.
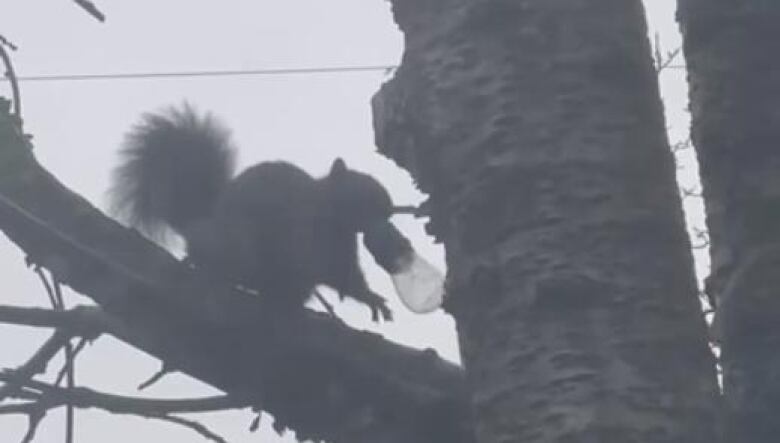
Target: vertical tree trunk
734	76
536	128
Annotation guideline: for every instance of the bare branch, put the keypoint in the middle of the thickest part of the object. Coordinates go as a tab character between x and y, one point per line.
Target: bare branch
703	237
85	398
54	292
682	145
35	365
83	321
10	74
4	41
76	350
663	60
407	210
35	411
325	304
52	396
34	419
58	303
690	192
91	9
255	424
195	426
164	370
70	383
46	284
668	60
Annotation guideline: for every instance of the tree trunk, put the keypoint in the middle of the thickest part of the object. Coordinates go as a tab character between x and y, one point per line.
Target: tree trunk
537	129
734	77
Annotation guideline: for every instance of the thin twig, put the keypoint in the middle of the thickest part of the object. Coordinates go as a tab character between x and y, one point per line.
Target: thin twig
76	349
91	9
34	419
70	382
54	291
409	209
325	304
663	61
670	58
4	41
34	412
70	365
58	297
194	425
690	192
682	145
164	370
10	74
255	424
703	236
46	285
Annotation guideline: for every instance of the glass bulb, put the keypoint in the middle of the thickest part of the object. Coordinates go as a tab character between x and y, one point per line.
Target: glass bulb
419	285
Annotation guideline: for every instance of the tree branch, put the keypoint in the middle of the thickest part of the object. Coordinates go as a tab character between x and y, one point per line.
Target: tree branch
83	321
75	351
157	376
10	74
191	424
91	9
85	398
48	397
16	378
34	418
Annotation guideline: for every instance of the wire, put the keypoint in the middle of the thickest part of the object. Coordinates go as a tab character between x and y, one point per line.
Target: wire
214	73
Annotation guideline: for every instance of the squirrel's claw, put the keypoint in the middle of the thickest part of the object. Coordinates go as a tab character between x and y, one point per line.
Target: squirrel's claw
379	308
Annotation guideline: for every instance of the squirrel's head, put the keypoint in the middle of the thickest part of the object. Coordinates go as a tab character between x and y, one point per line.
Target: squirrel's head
358	197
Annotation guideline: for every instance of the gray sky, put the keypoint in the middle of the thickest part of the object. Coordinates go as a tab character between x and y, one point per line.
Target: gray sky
306	119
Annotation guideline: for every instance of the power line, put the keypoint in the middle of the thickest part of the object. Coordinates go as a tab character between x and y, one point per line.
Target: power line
205	73
214	73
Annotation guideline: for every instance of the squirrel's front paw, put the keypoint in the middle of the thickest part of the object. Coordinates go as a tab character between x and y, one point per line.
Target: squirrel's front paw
379	308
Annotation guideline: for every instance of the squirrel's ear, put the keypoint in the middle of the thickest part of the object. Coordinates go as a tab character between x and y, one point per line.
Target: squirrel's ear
338	167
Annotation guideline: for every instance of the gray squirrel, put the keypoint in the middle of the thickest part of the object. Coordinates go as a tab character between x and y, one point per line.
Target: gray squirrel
273	228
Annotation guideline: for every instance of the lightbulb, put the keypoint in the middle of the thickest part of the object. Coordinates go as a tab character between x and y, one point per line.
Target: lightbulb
419	285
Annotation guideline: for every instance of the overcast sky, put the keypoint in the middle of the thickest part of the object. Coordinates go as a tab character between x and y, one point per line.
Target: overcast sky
308	119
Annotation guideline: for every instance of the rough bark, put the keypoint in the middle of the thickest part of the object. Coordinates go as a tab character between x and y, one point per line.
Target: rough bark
313	373
734	78
537	129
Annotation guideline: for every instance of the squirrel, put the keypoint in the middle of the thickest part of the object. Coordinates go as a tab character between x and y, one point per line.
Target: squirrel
272	228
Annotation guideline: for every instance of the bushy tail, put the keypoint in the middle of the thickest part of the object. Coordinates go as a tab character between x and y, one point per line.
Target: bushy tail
174	165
